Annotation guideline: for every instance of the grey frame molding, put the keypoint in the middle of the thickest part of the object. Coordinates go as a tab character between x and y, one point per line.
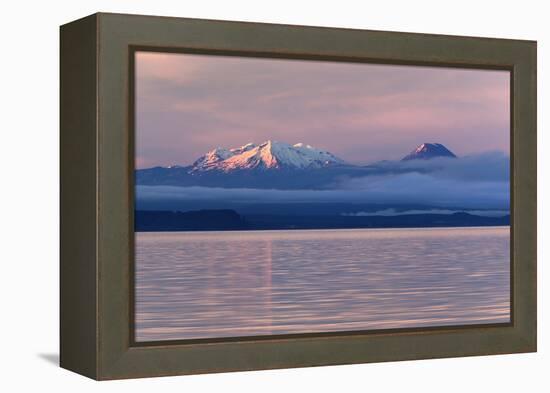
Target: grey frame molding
97	195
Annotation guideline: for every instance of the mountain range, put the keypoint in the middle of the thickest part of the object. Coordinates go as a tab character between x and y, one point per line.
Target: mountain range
266	156
274	165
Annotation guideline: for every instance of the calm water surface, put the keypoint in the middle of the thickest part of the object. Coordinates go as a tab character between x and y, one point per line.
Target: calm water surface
223	284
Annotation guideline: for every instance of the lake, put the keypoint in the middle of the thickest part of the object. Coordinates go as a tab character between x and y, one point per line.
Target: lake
193	285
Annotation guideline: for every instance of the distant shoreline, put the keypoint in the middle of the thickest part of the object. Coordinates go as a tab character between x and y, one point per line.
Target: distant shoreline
327	229
230	220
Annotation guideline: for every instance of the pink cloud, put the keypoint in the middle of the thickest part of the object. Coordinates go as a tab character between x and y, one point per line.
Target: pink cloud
187	104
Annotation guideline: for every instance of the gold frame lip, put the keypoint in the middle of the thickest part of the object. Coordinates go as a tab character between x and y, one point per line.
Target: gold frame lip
96	313
319	335
133	48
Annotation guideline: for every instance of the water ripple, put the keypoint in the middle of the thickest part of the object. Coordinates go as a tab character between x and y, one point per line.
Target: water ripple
223	284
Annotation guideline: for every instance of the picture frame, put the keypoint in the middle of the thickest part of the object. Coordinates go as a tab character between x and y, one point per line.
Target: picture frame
97	201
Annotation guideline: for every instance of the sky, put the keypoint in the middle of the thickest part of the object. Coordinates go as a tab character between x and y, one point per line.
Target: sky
189	104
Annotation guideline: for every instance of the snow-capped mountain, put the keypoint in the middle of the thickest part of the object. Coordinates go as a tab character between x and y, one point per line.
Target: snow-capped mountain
267	155
426	151
277	165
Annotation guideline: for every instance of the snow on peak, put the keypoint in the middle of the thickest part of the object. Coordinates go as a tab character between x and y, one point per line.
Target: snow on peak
267	155
429	150
243	148
304	146
213	157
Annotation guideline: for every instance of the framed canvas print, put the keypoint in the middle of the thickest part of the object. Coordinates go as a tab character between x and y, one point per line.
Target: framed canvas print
241	196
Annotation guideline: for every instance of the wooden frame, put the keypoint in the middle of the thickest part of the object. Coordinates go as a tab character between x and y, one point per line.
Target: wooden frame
97	196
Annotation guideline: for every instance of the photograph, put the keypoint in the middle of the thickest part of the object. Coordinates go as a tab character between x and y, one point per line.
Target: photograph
281	196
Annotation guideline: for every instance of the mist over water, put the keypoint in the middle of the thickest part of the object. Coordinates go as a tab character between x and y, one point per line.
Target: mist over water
225	284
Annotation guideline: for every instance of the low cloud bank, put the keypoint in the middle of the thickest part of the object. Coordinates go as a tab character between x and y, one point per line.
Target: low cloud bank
473	182
395	212
489	166
398	189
